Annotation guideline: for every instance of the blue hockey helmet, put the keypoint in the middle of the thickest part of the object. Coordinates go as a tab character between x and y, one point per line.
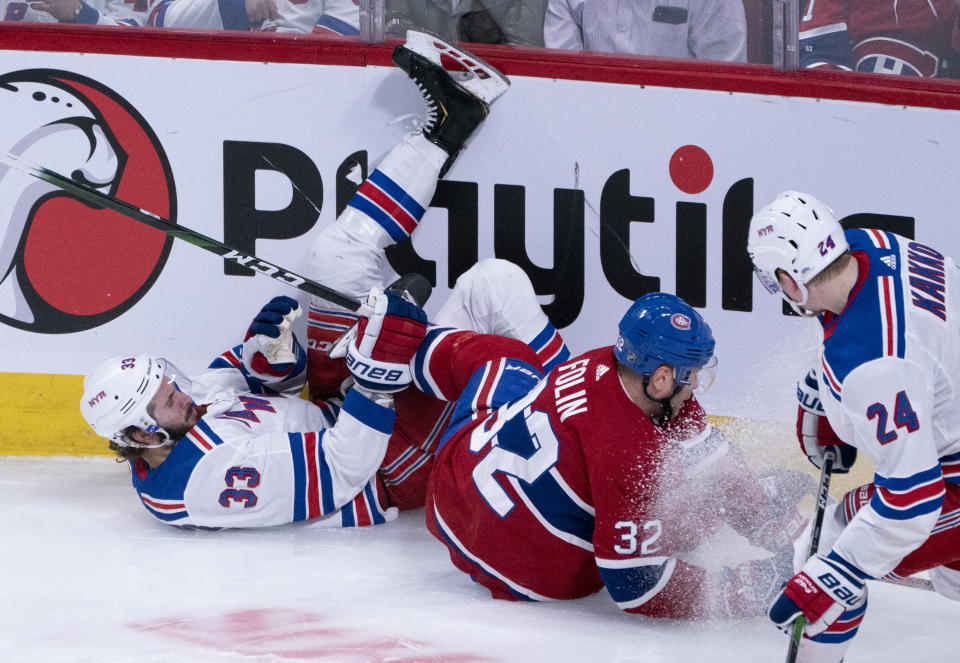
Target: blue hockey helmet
660	328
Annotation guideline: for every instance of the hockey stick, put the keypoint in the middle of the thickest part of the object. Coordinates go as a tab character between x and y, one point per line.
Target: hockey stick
92	196
911	582
822	494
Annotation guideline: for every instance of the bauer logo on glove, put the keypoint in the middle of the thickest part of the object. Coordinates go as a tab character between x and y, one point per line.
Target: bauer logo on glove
385	341
384	377
825	588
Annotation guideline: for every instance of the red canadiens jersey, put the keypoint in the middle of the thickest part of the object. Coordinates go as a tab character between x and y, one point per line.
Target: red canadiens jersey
908	37
552	488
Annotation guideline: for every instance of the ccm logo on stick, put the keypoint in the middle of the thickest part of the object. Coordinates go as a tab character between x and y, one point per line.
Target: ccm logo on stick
263	266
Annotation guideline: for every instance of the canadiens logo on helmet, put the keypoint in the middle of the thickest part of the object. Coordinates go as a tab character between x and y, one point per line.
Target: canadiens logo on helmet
64	266
680	321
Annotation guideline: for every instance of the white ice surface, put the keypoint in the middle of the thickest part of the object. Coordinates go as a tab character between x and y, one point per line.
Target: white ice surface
88	575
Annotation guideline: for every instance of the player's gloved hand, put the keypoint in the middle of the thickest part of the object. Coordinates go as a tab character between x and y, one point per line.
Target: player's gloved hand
823	590
385	341
270	350
747	590
814	432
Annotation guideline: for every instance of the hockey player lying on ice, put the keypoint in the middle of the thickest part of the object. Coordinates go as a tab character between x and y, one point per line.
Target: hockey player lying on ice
887	366
602	472
258	458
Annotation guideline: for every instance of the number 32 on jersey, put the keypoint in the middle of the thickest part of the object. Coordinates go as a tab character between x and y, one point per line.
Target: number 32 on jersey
628	531
522	444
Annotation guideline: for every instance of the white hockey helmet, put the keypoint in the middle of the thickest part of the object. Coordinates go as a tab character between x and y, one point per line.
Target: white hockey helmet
798	234
116	395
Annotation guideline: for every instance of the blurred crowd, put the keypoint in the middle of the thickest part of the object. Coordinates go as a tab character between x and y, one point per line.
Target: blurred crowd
906	37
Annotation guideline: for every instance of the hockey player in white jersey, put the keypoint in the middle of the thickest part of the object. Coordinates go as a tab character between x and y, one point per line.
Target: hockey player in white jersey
493	296
890	313
234	446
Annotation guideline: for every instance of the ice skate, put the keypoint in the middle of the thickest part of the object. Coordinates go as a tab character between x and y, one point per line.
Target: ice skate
457	100
413	287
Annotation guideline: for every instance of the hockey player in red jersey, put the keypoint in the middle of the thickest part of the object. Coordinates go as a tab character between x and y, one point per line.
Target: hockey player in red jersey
910	38
885	383
603	472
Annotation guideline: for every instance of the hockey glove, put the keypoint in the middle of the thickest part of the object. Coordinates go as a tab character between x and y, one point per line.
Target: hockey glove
379	355
747	590
270	350
814	432
824	589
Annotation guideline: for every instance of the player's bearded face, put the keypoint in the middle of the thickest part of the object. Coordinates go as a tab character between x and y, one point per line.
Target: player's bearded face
173	410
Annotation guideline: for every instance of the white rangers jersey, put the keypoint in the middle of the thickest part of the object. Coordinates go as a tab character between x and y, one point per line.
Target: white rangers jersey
259	457
889	364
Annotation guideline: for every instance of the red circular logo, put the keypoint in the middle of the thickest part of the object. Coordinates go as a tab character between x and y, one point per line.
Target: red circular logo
680	321
76	267
691	169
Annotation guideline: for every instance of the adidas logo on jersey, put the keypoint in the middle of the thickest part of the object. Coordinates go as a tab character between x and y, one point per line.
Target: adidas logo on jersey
601	369
890	261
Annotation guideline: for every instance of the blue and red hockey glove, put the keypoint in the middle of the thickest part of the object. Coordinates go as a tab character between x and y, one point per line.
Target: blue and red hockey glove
271	352
381	346
824	589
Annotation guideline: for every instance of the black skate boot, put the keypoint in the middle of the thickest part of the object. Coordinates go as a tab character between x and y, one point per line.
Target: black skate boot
457	101
413	287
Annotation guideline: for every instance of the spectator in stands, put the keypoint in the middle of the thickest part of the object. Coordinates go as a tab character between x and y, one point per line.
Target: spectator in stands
878	36
704	29
329	17
212	14
299	16
515	22
88	12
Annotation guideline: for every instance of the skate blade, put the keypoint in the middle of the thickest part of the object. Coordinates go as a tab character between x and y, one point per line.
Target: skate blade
473	74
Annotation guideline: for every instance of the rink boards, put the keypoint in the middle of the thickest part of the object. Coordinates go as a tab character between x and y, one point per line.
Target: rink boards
604	182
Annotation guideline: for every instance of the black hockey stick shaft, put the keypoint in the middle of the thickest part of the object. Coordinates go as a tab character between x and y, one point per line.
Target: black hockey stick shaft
822	494
92	196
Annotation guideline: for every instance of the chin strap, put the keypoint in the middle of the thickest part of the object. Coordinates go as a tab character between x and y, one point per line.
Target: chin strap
166	440
667	407
798	307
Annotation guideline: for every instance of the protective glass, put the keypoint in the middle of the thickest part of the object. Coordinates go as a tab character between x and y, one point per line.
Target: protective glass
180	382
179	379
703	376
